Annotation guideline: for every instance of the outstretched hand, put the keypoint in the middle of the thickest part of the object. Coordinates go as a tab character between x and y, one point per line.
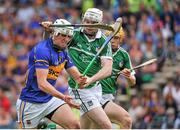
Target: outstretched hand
69	101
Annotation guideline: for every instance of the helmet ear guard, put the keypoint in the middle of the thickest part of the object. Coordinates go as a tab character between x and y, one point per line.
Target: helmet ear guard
63	30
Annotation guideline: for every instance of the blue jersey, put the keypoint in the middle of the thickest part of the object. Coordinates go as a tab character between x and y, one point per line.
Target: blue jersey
43	56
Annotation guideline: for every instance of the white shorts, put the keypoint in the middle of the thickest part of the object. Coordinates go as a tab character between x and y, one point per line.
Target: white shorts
105	98
88	98
30	114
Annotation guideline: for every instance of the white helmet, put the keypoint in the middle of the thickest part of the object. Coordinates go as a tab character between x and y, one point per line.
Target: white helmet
93	14
62	30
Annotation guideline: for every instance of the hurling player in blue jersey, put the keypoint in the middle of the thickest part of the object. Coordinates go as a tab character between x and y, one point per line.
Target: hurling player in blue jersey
39	98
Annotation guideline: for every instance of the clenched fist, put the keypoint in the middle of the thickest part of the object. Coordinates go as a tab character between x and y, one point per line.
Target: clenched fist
46	25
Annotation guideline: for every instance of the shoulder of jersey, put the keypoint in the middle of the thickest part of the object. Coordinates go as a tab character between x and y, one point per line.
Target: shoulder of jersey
104	36
42	45
122	49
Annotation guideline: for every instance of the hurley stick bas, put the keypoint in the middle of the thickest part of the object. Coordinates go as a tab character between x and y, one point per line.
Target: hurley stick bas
134	68
117	27
99	25
141	65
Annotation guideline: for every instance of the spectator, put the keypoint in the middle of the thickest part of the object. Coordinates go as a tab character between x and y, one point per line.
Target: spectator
135	109
176	94
20	71
5	111
158	119
170	119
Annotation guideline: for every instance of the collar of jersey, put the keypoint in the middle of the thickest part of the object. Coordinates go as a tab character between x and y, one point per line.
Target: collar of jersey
120	48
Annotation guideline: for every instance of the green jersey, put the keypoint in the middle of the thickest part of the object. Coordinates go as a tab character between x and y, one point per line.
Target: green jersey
82	50
121	60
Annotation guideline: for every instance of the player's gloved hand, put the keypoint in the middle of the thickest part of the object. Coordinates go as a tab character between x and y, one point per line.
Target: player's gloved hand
126	73
69	101
46	25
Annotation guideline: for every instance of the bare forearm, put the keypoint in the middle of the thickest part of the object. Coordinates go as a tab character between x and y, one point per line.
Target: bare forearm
105	70
75	74
48	88
103	73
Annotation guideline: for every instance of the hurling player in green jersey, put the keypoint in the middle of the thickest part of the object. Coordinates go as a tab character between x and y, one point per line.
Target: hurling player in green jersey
121	62
83	47
85	44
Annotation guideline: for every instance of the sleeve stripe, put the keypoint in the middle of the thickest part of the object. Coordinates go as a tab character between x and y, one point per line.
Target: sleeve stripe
106	57
42	61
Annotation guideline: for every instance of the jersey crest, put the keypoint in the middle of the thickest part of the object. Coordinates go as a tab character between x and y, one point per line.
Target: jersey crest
121	64
97	49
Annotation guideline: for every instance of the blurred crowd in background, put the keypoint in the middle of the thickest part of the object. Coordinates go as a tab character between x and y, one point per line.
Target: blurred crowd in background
152	29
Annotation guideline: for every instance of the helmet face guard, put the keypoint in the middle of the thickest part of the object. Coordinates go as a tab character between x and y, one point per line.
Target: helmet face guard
63	30
94	15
